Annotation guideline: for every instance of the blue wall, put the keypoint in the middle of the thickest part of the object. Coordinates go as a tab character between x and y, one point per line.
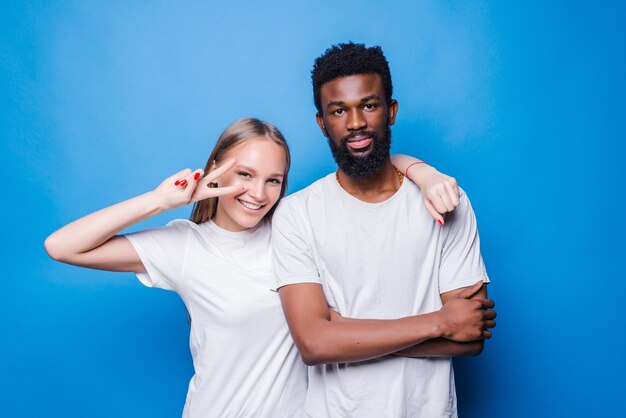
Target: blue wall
522	102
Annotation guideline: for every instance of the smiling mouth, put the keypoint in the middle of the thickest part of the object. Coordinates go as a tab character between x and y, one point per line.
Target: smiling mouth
249	205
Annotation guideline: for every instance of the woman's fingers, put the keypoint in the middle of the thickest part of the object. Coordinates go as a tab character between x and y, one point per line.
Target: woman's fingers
433	212
180	176
190	183
445	198
434	197
204	192
453	191
223	168
190	178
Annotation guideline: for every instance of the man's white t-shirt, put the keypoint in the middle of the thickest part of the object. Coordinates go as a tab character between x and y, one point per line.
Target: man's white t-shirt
245	362
377	260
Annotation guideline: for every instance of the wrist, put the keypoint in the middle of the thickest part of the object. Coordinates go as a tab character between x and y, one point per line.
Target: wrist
439	325
153	204
419	172
413	166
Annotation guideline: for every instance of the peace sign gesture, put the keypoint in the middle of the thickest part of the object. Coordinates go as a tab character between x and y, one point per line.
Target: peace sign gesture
187	186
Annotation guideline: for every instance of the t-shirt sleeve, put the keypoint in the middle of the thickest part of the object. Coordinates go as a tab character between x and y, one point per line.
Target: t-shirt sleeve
162	252
292	259
461	262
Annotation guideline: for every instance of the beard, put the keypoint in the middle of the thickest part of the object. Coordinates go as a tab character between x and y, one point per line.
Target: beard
362	166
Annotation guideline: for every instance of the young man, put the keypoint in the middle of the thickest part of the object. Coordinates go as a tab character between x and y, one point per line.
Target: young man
361	241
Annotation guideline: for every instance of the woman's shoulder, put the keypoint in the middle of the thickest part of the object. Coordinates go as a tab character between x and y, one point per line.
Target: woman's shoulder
183	227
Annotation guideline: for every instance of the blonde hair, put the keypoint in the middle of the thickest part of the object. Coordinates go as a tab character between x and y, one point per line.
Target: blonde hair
235	134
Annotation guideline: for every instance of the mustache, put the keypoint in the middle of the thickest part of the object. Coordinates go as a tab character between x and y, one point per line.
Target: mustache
372	134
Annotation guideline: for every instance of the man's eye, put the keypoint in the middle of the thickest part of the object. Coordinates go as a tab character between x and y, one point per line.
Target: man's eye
369	106
339	112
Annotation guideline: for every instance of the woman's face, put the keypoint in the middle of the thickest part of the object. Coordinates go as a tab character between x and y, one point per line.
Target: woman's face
260	169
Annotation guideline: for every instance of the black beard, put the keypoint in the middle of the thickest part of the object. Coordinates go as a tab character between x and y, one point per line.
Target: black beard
360	167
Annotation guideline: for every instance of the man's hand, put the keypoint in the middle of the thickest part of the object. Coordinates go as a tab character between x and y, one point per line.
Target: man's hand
465	319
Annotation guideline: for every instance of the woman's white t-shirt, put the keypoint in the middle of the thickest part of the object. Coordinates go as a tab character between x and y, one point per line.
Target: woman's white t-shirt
245	361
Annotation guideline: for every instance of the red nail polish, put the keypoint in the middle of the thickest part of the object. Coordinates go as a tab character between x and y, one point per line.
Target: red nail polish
183	183
440	223
177	183
196	176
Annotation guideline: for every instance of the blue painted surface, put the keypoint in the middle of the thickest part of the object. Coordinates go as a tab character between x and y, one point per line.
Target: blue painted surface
522	102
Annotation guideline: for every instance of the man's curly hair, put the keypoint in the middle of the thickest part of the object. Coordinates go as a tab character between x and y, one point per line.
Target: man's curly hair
349	59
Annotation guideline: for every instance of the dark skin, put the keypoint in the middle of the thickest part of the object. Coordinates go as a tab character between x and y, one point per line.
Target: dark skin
350	104
358	103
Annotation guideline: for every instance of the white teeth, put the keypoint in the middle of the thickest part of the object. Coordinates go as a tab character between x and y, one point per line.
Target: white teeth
249	205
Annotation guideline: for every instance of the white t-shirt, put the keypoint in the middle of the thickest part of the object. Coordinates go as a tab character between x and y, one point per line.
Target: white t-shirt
377	260
245	362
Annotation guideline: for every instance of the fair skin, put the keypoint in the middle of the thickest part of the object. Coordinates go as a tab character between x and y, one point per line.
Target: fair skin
353	104
259	170
441	192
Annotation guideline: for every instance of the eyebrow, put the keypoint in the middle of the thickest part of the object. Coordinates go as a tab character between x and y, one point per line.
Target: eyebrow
363	100
253	171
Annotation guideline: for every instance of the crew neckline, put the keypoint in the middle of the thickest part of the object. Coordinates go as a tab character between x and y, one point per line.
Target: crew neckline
343	194
212	226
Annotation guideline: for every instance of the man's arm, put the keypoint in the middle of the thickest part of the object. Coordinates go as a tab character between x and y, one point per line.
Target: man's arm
441	347
321	340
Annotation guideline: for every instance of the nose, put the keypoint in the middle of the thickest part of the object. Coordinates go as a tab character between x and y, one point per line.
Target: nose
257	190
356	120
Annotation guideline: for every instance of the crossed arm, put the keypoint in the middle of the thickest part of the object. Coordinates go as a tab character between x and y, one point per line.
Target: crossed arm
458	328
442	347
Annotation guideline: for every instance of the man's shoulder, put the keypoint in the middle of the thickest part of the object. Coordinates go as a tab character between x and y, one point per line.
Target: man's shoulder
319	188
298	205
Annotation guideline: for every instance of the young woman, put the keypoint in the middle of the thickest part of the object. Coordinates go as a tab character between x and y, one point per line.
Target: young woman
219	263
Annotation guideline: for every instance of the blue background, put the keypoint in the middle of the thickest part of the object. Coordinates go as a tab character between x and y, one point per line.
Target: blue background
523	103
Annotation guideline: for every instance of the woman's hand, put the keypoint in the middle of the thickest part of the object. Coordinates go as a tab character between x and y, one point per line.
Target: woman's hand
440	192
188	186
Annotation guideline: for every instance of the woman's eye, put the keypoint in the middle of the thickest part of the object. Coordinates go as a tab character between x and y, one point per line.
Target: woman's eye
274	181
244	174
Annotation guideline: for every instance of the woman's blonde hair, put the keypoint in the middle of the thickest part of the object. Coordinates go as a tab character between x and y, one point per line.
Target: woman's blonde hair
237	133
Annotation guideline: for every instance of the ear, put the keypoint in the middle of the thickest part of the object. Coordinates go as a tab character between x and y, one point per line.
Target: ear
320	123
392	111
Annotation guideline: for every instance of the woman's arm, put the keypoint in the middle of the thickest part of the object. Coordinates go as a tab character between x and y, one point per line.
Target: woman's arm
440	192
91	241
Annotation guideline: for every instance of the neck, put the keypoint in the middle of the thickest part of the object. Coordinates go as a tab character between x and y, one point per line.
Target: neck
376	188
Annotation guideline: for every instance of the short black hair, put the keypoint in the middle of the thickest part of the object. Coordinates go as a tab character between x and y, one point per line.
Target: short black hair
349	59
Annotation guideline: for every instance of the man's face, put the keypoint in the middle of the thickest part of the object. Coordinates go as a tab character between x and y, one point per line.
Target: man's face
355	118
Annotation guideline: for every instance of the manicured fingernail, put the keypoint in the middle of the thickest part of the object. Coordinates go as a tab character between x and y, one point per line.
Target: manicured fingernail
196	176
177	183
183	183
440	223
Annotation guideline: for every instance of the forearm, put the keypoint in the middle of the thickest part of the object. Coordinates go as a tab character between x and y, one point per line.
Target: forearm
94	229
442	347
434	347
364	339
323	340
437	347
418	170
